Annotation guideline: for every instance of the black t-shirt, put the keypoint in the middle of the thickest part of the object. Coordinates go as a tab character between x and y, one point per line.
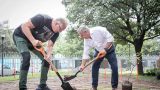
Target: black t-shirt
42	31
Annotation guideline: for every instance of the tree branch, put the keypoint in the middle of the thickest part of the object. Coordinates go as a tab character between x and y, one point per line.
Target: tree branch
151	37
123	37
131	6
152	24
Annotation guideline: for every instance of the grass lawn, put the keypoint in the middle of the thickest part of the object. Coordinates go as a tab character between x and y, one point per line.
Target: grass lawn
30	76
62	73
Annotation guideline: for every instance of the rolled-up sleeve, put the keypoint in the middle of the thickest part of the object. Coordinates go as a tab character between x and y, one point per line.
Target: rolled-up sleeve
86	50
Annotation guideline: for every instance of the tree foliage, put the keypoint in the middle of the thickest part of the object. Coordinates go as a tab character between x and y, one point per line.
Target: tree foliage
151	47
70	44
132	21
8	45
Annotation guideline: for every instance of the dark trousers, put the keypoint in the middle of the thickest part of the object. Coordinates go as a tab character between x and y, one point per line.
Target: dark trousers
24	47
111	57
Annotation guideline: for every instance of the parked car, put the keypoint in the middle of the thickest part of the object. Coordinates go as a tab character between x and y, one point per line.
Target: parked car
6	70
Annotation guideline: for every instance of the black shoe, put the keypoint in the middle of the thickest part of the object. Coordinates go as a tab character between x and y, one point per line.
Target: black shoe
23	89
43	87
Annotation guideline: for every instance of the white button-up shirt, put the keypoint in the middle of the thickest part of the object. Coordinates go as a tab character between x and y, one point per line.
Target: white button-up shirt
99	38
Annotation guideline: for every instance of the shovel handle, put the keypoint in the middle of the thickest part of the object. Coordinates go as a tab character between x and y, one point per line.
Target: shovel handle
90	62
60	77
42	51
53	67
87	65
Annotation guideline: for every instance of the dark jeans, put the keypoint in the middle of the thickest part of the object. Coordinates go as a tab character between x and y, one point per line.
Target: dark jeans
24	47
111	57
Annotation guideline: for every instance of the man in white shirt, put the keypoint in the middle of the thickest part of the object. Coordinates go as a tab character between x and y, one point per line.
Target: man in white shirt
102	41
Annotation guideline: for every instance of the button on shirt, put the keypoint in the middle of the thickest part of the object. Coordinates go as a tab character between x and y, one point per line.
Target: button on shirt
99	38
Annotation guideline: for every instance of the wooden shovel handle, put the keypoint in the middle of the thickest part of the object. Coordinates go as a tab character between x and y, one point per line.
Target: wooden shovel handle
42	51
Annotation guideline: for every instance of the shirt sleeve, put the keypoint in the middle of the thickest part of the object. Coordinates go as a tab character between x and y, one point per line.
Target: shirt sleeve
54	37
86	50
37	20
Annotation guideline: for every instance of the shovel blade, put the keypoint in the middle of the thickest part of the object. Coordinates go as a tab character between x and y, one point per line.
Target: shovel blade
66	86
67	78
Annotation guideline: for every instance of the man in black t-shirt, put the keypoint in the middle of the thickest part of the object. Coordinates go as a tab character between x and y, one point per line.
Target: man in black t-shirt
38	29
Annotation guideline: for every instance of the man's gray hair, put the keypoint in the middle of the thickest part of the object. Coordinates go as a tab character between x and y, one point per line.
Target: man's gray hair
82	29
64	22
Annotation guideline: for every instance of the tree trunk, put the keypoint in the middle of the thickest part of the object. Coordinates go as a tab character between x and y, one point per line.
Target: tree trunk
138	47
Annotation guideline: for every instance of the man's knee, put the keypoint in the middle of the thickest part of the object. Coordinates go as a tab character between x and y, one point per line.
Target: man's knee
26	60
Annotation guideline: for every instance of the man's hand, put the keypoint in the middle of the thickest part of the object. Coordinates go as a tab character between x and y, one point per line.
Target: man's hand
81	67
36	43
101	53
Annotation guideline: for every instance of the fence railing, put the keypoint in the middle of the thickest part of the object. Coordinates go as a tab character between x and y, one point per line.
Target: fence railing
12	61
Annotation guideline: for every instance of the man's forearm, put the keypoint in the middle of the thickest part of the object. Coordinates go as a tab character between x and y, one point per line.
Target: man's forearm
108	45
49	47
26	30
49	50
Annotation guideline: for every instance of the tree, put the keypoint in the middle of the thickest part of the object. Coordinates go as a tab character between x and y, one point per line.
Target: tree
8	40
70	44
130	21
151	47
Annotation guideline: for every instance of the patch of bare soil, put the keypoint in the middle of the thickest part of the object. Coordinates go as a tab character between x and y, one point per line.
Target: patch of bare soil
82	83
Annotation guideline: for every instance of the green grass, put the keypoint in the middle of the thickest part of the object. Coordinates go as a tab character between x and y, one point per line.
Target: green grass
30	76
16	77
8	78
62	73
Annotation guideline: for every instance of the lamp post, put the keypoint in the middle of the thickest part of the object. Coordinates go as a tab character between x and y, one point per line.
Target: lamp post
2	36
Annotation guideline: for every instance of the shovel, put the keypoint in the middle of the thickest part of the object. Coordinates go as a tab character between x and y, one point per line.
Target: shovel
67	77
65	85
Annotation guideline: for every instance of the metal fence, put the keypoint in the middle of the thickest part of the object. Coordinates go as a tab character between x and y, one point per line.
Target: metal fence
12	61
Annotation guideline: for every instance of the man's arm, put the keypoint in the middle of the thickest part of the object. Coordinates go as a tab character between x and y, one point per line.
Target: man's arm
84	61
49	49
26	29
85	57
108	39
108	46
